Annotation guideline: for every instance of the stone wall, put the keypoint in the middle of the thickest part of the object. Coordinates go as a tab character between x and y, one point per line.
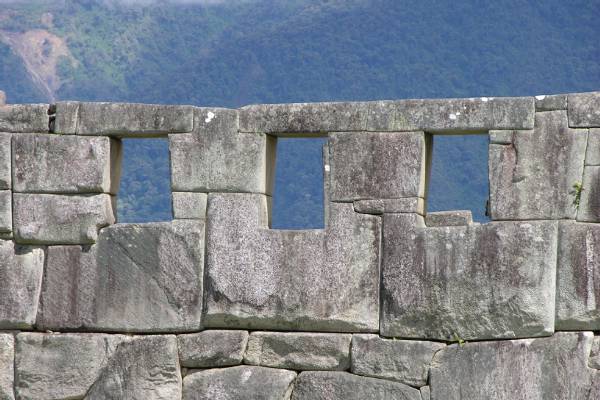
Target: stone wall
386	302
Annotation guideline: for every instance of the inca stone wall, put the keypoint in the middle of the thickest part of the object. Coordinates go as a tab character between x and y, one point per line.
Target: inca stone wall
386	302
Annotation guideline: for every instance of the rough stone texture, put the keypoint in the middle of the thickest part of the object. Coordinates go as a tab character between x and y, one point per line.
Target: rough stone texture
299	351
188	205
589	205
32	118
532	369
268	279
65	164
213	348
5	161
449	218
594	360
405	361
527	183
584	110
425	393
5	211
143	368
495	280
377	165
551	103
502	137
7	372
21	271
66	117
60	219
578	277
238	383
592	155
380	206
317	385
131	120
2	98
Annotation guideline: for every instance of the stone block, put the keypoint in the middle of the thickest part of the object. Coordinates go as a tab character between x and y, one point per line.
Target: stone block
239	383
5	161
66	117
5	211
594	361
381	206
578	277
130	119
425	393
21	271
495	280
584	110
592	155
377	165
7	361
2	98
311	280
502	137
299	351
189	205
525	183
405	361
449	218
18	118
60	219
551	102
589	204
543	368
212	348
65	164
323	385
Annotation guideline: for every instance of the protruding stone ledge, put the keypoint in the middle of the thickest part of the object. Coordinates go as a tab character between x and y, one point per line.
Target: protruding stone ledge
212	348
381	206
551	102
584	110
18	118
449	218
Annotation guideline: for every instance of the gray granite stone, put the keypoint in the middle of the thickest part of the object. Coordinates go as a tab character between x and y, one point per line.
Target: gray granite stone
525	183
323	385
189	205
5	211
377	165
584	110
425	393
212	348
239	383
594	360
502	137
381	206
551	102
449	218
2	98
533	369
299	351
405	361
495	280
66	117
65	164
32	118
60	219
589	205
592	154
7	361
5	161
21	271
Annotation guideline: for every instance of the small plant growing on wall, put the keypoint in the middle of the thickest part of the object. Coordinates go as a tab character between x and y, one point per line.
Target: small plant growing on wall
577	189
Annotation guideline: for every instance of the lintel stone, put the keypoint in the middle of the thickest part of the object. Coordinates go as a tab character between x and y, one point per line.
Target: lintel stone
381	206
21	118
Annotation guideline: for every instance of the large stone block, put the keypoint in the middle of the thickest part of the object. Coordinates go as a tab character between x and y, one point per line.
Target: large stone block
584	110
313	280
592	155
533	177
21	271
239	383
5	211
589	204
322	385
7	362
65	164
20	118
189	205
212	348
551	102
60	219
405	361
377	165
533	369
449	218
5	161
299	351
495	280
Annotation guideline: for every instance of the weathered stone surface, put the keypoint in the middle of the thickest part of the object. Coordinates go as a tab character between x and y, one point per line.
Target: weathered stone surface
380	206
60	366
405	361
299	351
317	385
65	164
21	270
5	161
589	205
66	117
584	110
592	155
31	118
2	98
5	211
551	103
449	218
526	182
377	165
132	120
60	219
425	393
239	383
311	280
142	368
502	137
189	205
533	369
495	280
7	371
578	277
594	361
212	348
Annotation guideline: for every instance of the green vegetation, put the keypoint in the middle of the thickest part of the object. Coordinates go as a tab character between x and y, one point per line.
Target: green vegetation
576	192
